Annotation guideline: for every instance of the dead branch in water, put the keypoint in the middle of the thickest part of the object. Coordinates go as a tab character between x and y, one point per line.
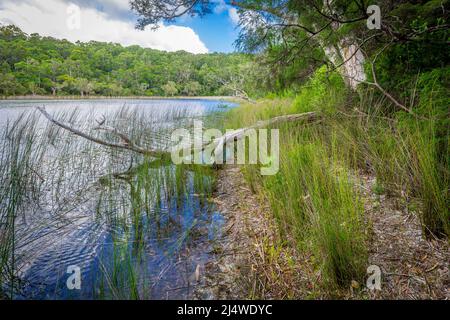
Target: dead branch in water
237	88
127	145
217	143
307	117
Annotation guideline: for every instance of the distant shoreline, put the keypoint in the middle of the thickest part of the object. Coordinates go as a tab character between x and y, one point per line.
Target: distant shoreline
49	97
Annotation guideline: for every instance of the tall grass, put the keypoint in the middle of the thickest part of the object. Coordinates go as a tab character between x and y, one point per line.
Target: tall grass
315	197
19	184
315	200
410	154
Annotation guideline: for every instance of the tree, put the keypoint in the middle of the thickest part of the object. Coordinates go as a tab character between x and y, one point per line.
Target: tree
192	88
84	86
11	32
5	67
289	26
142	89
50	70
8	84
114	89
108	69
292	30
103	60
33	88
170	89
28	72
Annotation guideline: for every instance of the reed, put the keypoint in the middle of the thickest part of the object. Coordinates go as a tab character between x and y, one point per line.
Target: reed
52	180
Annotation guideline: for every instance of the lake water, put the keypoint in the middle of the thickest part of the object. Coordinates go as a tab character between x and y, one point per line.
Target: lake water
134	230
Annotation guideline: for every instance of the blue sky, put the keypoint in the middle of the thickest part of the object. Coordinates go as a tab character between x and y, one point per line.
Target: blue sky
217	31
113	21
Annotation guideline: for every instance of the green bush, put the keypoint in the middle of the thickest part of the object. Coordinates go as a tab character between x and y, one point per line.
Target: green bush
323	92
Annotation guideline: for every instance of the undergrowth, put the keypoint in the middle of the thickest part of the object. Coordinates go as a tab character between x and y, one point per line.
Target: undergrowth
316	198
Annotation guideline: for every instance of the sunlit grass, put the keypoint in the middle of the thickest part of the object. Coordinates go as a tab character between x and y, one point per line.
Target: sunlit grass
316	196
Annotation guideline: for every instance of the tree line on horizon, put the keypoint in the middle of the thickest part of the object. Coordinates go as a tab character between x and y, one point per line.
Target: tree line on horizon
37	65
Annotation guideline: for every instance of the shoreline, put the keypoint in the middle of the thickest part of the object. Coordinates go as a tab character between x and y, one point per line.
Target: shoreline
241	267
253	261
50	97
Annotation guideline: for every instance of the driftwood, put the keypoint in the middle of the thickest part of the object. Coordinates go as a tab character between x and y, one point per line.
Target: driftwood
126	145
239	92
218	144
307	117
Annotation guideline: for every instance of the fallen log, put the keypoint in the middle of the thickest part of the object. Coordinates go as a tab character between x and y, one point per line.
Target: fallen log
218	144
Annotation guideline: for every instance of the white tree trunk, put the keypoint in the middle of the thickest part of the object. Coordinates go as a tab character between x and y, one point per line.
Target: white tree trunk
352	68
346	56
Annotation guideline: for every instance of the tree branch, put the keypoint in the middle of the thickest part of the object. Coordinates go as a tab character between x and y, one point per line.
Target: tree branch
128	145
217	143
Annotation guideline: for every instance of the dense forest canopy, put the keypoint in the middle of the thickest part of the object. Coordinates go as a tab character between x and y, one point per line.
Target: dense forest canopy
32	64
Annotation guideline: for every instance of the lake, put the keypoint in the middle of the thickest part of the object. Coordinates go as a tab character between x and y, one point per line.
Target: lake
134	227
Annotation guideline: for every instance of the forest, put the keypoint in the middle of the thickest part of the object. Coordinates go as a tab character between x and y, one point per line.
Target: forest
36	65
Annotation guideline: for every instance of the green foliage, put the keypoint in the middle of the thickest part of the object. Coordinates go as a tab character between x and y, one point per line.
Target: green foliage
170	89
315	198
30	64
323	92
414	158
192	88
400	64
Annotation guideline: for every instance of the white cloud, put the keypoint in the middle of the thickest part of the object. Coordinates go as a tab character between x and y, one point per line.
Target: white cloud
50	18
234	15
221	6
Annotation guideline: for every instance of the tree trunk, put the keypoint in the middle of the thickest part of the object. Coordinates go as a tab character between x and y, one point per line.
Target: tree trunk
345	56
348	59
